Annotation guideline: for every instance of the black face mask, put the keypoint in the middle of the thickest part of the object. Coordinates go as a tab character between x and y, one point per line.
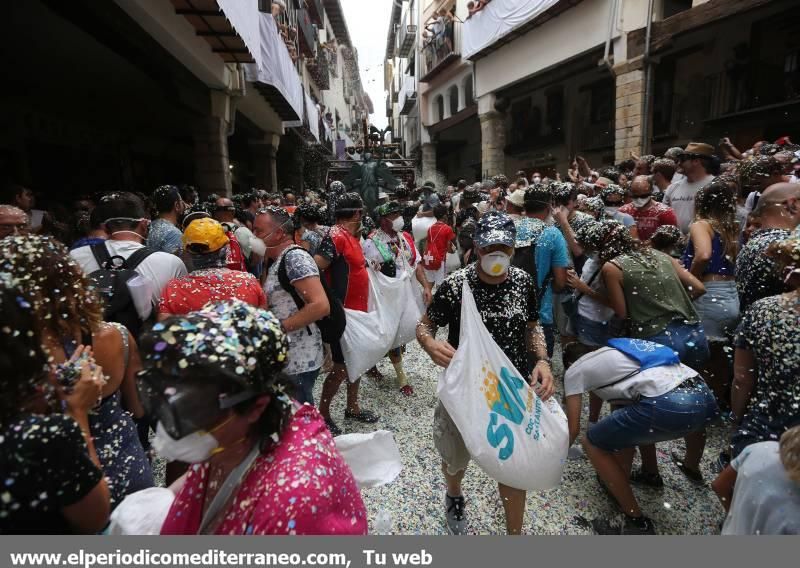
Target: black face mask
184	406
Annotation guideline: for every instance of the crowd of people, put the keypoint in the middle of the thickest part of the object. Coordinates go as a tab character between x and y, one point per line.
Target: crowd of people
165	326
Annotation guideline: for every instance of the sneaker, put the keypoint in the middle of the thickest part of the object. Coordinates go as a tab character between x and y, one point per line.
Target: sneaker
407	390
644	478
624	526
456	521
335	430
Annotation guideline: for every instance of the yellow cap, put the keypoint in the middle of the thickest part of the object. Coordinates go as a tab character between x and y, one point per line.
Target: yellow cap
204	235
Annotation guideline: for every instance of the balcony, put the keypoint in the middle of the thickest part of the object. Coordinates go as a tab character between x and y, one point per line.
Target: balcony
308	34
406	36
316	11
408	95
440	50
319	69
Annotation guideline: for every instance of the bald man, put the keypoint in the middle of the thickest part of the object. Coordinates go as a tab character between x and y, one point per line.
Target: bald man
648	213
779	206
757	274
253	248
13	221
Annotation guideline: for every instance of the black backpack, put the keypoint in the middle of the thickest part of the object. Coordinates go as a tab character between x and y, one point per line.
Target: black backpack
331	326
111	283
525	258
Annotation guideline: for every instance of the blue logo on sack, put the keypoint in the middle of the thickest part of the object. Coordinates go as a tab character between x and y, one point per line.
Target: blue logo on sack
507	407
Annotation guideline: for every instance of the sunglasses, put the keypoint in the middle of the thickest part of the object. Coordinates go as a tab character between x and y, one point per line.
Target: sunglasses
185	407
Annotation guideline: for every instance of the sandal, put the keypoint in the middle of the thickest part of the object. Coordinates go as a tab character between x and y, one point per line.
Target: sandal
364	416
374	373
335	430
694	476
645	478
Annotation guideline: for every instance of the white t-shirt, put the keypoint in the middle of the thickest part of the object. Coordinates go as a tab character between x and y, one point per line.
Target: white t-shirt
305	350
765	500
158	268
587	307
680	196
607	366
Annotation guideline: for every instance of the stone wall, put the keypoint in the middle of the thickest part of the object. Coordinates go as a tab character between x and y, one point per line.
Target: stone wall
629	108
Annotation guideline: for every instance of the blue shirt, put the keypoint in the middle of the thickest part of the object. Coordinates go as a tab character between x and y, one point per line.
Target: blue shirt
164	236
551	252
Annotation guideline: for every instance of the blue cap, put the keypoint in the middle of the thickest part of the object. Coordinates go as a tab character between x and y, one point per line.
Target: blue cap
495	228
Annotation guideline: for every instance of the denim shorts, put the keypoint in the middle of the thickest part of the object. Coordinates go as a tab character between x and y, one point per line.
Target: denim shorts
688	408
688	340
597	333
719	309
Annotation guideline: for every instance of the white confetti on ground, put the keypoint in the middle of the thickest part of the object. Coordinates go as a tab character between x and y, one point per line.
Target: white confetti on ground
415	501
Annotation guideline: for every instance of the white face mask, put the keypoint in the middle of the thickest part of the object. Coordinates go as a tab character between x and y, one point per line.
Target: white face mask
495	263
536	180
640	202
397	224
194	448
611	211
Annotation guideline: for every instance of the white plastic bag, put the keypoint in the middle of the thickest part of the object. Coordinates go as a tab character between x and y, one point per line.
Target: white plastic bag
373	458
452	262
369	336
517	439
142	513
412	306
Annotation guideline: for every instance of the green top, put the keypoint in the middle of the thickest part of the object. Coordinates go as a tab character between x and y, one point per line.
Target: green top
654	295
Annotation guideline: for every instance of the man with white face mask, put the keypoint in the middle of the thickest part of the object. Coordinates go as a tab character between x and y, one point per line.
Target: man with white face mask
394	250
506	299
648	213
125	220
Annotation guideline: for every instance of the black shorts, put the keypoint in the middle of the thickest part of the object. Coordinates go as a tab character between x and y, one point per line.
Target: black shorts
337	355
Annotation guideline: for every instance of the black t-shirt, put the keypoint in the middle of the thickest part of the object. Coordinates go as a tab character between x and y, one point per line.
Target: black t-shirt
758	275
506	309
44	467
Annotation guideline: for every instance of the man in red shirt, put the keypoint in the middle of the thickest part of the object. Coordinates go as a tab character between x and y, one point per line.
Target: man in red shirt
440	239
648	213
341	258
206	243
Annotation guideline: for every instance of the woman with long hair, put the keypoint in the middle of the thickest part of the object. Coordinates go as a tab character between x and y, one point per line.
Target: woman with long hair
69	314
53	483
263	464
710	256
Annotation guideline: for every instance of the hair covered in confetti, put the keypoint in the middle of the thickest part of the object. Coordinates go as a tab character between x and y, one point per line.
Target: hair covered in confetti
22	361
61	297
610	239
790	453
231	336
716	203
787	255
612	189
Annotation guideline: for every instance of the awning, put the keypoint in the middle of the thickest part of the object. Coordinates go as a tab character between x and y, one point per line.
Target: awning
224	25
273	72
499	18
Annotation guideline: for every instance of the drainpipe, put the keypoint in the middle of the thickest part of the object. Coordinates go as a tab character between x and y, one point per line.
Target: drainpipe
612	16
648	81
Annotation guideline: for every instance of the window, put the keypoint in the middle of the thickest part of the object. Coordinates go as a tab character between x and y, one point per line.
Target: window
452	95
672	7
439	108
602	102
469	97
